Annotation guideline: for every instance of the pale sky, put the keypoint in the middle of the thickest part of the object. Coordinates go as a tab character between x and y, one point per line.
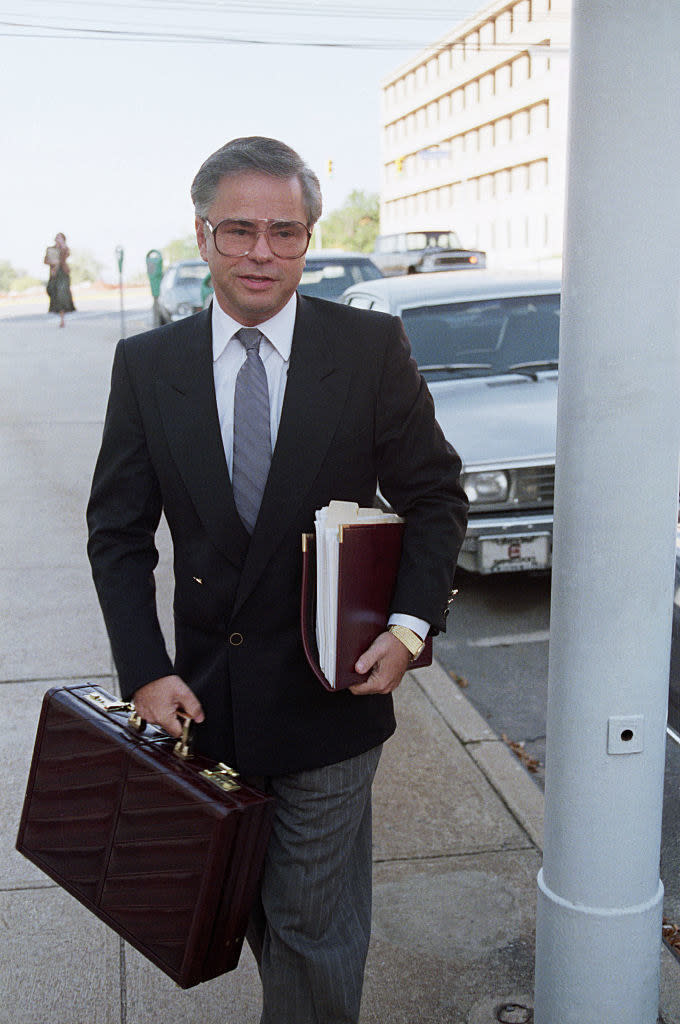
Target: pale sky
103	133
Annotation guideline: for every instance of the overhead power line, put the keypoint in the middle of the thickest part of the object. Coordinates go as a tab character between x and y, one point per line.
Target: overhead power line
26	30
62	20
296	8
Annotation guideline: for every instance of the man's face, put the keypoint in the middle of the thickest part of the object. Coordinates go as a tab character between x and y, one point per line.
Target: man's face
253	288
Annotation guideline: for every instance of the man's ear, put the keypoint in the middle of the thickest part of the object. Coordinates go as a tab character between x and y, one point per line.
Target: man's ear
201	239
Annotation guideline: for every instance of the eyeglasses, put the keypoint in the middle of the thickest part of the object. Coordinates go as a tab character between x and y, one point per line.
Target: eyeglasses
287	239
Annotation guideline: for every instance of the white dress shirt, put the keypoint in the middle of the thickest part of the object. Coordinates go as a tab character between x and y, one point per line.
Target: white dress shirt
229	355
275	347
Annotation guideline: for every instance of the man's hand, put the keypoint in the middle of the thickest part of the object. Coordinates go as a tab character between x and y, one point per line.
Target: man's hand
166	702
386	659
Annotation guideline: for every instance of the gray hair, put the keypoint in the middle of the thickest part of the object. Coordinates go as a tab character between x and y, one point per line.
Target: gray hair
256	153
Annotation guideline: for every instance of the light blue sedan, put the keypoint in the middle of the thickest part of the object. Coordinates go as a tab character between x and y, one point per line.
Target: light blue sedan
487	344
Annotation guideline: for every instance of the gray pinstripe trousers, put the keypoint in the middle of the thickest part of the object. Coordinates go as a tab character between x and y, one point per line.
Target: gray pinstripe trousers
311	928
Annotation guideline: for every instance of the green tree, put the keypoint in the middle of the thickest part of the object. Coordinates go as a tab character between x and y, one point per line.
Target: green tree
7	275
355	225
24	281
84	266
15	280
180	249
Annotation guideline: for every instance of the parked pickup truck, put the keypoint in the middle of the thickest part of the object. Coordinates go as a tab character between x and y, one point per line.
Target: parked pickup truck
414	252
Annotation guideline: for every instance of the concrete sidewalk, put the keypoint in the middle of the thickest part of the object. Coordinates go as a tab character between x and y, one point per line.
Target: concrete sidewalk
458	826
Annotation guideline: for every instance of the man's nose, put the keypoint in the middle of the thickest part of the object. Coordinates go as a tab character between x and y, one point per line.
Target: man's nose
261	250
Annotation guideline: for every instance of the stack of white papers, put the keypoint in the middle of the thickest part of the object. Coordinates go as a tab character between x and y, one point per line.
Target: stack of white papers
328	523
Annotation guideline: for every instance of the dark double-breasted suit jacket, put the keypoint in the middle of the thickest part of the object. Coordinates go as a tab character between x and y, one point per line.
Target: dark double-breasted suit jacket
355	412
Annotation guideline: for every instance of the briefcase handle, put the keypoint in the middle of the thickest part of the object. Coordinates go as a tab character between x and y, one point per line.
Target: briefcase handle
136	723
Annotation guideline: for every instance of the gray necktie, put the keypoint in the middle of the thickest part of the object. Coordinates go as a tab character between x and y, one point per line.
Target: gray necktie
252	434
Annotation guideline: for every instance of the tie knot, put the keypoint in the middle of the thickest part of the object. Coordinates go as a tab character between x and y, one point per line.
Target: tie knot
250	338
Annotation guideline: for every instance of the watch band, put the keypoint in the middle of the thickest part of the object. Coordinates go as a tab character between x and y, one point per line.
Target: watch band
411	641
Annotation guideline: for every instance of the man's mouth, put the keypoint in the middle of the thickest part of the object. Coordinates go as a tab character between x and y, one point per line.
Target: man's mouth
256	280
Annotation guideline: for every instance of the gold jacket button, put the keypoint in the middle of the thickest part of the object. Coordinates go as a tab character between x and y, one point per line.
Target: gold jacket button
236	639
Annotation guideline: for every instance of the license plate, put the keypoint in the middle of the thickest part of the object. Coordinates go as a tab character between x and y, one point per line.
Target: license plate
514	554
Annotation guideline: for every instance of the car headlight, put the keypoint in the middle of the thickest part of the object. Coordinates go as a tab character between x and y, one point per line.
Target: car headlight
486	487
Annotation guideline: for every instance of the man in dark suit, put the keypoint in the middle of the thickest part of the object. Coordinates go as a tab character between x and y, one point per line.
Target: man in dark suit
344	409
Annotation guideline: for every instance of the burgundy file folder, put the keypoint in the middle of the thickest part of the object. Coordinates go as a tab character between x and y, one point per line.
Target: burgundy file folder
369	556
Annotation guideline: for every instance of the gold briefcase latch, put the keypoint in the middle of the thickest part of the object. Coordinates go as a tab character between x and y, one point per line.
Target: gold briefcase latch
107	703
222	776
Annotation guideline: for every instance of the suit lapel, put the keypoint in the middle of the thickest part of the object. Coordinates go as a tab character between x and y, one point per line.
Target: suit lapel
315	396
186	395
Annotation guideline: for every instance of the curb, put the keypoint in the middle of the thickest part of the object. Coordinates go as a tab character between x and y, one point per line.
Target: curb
510	780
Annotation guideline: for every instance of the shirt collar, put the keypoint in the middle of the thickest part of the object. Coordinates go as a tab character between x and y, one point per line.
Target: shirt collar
278	329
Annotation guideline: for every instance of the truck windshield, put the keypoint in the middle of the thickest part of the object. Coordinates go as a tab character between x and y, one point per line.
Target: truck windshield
416	240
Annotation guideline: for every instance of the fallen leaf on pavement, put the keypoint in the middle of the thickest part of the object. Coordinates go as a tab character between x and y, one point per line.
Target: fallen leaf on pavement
532	764
460	680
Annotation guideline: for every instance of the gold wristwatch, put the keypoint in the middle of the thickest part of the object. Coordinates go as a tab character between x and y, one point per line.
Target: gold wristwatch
409	639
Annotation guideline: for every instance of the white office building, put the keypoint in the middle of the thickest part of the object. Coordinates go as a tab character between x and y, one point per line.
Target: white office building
474	133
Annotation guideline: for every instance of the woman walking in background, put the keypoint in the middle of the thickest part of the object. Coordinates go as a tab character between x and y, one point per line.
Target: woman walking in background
59	283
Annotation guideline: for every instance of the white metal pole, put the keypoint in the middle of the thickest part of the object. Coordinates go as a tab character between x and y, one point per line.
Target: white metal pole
618	437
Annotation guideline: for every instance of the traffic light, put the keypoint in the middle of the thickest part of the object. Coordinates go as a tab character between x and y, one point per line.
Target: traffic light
329	168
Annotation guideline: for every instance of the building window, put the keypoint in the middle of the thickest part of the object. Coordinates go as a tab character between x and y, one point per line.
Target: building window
472	93
504	26
458	101
486	86
486	186
487	35
502	184
519	179
538	174
502	131
538	118
519	128
486	137
521	13
503	79
521	69
472	44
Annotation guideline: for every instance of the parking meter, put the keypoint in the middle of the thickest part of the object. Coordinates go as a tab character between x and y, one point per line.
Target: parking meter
120	253
154	269
206	289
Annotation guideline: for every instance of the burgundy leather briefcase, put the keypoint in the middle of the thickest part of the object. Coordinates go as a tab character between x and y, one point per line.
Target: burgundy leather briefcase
168	851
